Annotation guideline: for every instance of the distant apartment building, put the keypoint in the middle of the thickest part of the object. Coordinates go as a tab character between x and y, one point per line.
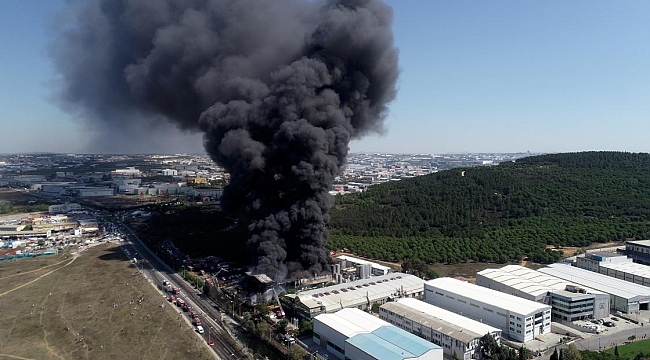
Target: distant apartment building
128	172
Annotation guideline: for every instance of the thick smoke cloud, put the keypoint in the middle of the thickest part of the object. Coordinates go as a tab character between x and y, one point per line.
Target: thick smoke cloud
278	87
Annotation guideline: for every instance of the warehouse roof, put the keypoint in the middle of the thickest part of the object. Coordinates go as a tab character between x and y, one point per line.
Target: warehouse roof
350	322
639	242
607	284
488	296
361	291
405	340
441	320
631	268
527	286
379	348
543	279
391	343
362	261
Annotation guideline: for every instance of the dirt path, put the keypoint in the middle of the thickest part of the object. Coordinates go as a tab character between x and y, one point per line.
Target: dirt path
35	280
14	357
31	271
50	350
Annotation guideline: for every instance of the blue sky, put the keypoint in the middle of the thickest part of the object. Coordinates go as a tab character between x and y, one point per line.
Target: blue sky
476	76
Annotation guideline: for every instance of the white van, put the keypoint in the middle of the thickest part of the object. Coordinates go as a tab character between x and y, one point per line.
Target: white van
200	329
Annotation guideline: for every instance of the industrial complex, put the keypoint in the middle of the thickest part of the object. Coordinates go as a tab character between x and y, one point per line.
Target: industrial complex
520	319
456	334
355	334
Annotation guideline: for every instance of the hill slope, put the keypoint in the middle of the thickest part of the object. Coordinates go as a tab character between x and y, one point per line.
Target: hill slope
500	213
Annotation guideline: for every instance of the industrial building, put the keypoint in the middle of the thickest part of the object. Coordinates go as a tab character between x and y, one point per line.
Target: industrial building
361	294
519	319
592	261
456	334
355	334
625	296
63	208
569	301
630	271
638	250
348	267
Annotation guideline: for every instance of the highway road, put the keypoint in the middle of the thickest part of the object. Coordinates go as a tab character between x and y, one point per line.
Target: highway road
156	271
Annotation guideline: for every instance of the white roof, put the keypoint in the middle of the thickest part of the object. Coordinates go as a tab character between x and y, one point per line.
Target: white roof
639	242
362	262
362	291
350	322
549	281
631	268
515	282
449	316
488	296
607	284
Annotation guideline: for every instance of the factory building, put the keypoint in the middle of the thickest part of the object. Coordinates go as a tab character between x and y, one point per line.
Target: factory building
631	272
363	269
361	294
592	261
456	334
355	334
519	319
63	208
638	250
89	191
624	296
569	301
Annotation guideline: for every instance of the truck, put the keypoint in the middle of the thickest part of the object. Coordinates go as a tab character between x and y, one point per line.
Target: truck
197	322
180	302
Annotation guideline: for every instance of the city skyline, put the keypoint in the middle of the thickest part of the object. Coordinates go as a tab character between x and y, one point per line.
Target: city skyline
475	77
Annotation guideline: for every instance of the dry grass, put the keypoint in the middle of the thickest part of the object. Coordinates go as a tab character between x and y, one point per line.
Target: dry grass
69	313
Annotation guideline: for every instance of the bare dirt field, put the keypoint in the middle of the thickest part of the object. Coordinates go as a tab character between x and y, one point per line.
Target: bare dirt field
88	307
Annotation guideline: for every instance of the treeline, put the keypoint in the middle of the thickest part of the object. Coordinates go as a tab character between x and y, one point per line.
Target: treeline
501	213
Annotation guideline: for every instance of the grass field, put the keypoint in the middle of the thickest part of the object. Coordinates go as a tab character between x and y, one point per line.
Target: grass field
631	350
62	307
12	202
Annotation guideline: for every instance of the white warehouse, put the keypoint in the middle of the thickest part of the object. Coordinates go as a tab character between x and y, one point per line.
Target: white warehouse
519	319
355	334
361	294
624	296
569	302
456	334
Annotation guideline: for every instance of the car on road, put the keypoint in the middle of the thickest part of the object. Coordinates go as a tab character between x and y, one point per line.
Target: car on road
211	342
200	329
614	318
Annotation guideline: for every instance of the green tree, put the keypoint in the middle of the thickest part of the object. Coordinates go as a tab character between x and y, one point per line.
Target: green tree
571	352
616	350
375	308
554	356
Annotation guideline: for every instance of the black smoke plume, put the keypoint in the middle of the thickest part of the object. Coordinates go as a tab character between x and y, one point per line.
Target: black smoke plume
278	87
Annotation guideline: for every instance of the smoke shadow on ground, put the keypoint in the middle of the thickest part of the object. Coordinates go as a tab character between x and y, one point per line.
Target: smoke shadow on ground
113	253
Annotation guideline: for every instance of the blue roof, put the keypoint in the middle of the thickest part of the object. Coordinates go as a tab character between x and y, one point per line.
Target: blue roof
379	348
405	340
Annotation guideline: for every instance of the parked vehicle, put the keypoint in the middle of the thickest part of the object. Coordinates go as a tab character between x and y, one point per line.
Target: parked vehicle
200	329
